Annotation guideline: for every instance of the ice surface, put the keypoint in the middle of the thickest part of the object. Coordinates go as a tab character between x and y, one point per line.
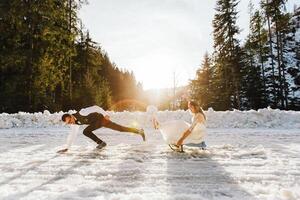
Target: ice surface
251	155
238	164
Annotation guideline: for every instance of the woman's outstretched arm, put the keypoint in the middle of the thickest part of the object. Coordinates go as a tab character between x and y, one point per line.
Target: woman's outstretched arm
199	119
185	135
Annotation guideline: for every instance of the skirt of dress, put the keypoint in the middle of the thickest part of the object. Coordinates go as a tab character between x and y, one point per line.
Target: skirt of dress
173	130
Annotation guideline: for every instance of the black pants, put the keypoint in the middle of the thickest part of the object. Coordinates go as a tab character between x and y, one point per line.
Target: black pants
100	122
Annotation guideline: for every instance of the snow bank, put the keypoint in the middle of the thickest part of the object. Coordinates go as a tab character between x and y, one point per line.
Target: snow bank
263	118
22	119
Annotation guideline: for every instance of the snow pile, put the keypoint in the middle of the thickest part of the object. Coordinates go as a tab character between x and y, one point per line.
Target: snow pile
263	118
22	119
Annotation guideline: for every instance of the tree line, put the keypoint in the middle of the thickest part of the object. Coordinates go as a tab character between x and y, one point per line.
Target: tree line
48	61
262	71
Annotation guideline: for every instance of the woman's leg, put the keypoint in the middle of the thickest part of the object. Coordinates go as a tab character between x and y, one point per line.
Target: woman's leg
155	123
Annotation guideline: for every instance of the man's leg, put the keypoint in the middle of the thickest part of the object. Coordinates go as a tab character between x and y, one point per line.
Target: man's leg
88	131
120	128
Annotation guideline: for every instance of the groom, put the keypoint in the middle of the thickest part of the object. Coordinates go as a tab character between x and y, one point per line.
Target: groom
94	117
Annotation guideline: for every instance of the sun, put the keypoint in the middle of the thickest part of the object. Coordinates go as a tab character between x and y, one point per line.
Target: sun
155	72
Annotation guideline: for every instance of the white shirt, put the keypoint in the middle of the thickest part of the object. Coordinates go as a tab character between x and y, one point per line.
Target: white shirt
92	109
75	128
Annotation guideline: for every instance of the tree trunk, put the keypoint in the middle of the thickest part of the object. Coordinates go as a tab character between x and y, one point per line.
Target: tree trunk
285	87
279	65
70	61
272	59
261	58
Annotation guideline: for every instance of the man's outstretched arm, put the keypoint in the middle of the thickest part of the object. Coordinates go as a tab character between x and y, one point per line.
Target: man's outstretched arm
70	139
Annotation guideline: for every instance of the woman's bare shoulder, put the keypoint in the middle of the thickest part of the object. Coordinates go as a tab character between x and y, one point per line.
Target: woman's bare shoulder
199	117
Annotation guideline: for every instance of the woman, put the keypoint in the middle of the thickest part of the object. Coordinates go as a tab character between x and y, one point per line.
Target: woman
196	130
178	132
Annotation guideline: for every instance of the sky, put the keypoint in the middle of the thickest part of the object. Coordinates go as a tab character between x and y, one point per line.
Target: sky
159	40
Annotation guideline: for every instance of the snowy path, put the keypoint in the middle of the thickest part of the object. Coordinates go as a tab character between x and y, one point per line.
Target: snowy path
239	164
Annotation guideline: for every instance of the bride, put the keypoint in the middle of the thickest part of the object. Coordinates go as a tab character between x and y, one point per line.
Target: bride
178	132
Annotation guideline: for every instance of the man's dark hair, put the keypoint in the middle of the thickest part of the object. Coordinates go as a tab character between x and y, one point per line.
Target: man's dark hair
65	116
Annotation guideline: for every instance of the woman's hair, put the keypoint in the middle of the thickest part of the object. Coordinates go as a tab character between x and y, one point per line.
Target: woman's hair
63	118
198	108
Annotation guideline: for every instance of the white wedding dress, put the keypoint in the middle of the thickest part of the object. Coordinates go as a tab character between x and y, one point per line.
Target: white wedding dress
173	130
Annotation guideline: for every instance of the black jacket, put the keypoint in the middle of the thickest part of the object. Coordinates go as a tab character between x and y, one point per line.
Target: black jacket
89	119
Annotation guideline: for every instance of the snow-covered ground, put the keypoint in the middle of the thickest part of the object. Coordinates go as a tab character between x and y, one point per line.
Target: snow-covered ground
250	155
239	164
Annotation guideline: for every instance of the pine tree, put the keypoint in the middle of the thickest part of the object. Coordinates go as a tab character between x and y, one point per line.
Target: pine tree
43	47
292	59
258	38
254	58
279	22
36	45
273	98
227	55
253	92
201	86
89	86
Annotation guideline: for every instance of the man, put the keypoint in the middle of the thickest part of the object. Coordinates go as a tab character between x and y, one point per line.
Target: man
95	117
